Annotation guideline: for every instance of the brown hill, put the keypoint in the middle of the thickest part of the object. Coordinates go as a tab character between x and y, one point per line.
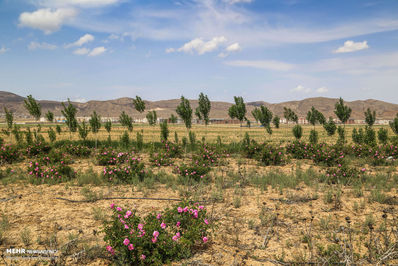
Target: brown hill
164	108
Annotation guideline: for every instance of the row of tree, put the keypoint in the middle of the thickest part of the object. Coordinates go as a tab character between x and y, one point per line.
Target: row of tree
238	111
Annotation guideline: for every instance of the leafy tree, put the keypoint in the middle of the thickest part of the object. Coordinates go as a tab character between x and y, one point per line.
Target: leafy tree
203	109
50	116
164	131
139	104
184	110
341	140
370	136
314	116
152	117
358	136
382	135
126	121
313	136
276	121
330	127
297	131
265	118
394	125
342	111
290	115
69	113
9	121
83	130
108	128
95	124
255	114
173	119
17	134
238	110
370	117
33	107
58	129
51	135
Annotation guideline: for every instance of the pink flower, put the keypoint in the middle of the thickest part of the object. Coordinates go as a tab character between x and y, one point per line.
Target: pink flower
185	209
131	247
201	207
126	241
179	209
110	250
154	240
178	234
155	233
206	222
178	224
205	239
126	226
159	216
175	238
143	257
119	209
163	225
140	226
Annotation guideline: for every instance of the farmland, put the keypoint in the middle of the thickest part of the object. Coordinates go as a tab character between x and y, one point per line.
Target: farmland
267	198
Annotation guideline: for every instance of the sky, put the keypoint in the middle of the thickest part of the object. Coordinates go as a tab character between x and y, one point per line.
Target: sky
268	50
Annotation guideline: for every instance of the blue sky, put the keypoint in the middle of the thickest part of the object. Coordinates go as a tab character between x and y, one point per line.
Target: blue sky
271	50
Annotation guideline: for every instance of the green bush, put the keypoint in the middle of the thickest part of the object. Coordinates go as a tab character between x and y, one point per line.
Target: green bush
313	136
158	238
126	173
297	132
193	171
50	173
9	153
382	135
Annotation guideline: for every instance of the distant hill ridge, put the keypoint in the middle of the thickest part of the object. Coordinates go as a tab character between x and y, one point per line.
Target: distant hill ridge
164	108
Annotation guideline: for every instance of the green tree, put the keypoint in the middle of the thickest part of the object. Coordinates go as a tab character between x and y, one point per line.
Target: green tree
152	117
265	118
394	125
58	129
290	115
203	109
382	135
164	130
83	130
297	131
33	107
139	104
370	117
276	121
51	135
238	110
330	127
108	128
184	110
255	114
9	121
50	116
313	117
173	119
342	111
69	113
126	121
95	124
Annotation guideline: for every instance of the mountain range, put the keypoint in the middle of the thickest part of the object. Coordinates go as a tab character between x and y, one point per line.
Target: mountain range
219	109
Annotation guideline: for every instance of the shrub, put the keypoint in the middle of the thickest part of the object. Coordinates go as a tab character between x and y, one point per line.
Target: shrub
55	172
271	155
297	131
140	141
52	135
193	171
9	153
37	148
160	159
55	156
358	136
158	238
77	150
133	168
328	156
341	132
164	131
206	157
370	136
343	175
110	157
125	139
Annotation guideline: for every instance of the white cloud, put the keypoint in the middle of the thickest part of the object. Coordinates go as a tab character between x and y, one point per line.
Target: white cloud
82	40
322	90
97	51
170	50
78	3
301	88
43	45
237	1
201	47
233	47
3	50
46	19
81	51
351	46
262	64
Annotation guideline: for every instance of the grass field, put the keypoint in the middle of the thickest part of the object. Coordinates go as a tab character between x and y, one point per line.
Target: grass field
285	212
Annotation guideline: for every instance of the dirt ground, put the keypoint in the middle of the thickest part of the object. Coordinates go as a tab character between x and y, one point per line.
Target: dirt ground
254	226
